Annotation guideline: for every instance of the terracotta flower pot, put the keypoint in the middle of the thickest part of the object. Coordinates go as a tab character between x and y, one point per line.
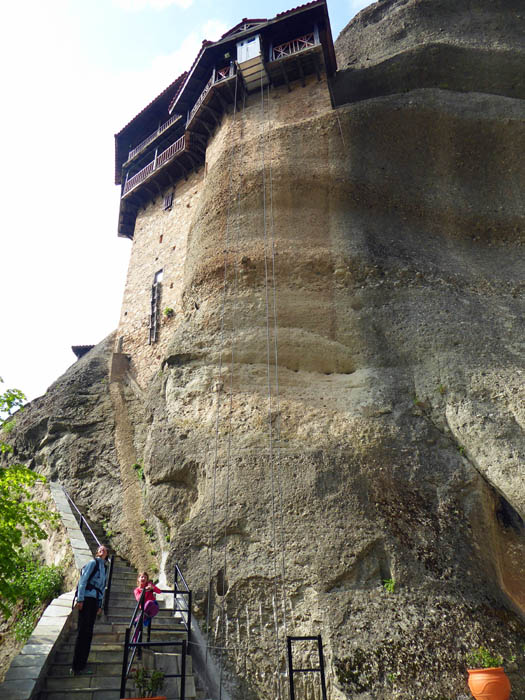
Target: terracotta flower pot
489	683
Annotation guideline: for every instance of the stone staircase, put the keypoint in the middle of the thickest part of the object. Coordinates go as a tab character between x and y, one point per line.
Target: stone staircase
105	659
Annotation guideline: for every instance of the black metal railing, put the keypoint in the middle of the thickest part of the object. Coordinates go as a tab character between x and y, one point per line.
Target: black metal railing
186	594
82	522
134	644
310	669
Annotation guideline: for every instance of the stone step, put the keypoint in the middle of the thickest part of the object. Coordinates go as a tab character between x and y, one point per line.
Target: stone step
103	656
82	682
120	610
61	670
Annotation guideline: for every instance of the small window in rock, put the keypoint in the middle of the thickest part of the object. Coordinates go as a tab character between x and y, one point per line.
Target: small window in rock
161	237
168	200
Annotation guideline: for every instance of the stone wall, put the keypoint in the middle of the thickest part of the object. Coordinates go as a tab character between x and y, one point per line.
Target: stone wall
161	236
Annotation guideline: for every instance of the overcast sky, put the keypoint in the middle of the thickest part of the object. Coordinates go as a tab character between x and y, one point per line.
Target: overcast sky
74	72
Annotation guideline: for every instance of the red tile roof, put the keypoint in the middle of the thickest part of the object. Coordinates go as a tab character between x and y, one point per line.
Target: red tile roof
176	84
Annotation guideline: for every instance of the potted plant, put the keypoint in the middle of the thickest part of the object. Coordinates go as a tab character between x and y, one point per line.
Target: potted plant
148	682
486	678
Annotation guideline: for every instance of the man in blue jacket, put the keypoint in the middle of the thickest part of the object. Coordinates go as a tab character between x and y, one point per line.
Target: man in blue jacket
89	603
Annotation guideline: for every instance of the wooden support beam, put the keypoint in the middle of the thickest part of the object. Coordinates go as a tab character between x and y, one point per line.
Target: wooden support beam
210	131
316	65
193	160
201	151
285	75
300	68
215	115
200	138
232	92
221	99
180	165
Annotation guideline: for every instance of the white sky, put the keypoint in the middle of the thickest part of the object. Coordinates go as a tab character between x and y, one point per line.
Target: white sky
74	72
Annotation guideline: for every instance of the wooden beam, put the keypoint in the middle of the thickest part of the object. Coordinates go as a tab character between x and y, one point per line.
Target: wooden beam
232	92
201	121
213	113
285	75
300	67
200	138
316	65
194	160
223	102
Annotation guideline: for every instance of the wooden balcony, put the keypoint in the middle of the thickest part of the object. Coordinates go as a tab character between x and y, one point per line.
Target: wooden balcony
179	159
217	95
295	59
152	137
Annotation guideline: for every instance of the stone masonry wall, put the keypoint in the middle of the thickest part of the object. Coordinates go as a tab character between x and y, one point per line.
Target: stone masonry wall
161	236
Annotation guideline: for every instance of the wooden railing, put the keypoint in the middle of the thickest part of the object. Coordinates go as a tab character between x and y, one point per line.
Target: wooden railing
159	160
216	77
294	46
153	136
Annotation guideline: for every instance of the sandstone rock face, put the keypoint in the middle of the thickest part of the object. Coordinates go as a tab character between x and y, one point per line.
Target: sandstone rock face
379	248
398	45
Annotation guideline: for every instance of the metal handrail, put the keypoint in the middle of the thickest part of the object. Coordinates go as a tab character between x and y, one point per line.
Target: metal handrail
134	631
183	592
139	645
82	519
317	669
109	577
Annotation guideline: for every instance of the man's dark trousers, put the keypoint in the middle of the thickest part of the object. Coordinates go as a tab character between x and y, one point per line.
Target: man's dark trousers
86	622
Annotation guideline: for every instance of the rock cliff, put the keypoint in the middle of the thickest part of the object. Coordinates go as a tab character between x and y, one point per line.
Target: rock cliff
384	440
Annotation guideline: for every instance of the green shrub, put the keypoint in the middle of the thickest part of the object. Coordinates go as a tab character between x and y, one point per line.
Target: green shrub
482	658
36	584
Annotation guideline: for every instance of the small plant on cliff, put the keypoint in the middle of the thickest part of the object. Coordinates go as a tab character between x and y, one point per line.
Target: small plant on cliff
389	585
168	312
483	658
140	470
107	530
393	676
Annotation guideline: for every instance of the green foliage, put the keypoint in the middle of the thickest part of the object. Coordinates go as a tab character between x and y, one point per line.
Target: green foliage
107	529
461	450
37	584
148	530
10	401
148	682
482	658
442	389
140	470
8	426
168	312
389	585
21	516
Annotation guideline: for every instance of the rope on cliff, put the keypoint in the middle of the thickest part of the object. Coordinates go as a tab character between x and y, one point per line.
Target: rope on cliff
269	379
277	399
219	388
